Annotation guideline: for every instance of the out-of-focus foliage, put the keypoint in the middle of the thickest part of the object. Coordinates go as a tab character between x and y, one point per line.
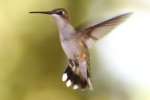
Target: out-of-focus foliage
32	60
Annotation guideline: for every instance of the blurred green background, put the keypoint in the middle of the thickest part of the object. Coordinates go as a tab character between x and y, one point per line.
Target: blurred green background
32	60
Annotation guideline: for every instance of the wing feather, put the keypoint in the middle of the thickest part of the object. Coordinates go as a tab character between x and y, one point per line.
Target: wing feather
101	29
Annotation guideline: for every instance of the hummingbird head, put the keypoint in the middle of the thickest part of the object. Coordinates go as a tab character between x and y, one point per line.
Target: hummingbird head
61	18
61	12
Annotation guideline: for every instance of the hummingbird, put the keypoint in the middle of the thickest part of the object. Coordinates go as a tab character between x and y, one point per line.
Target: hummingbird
76	45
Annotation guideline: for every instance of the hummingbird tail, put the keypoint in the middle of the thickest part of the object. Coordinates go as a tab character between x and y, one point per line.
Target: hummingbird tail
72	77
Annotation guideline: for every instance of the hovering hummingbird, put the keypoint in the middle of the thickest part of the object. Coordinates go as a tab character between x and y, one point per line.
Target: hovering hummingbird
76	44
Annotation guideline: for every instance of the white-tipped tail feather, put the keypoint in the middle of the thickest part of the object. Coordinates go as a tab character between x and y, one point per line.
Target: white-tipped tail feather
75	87
64	77
68	83
74	79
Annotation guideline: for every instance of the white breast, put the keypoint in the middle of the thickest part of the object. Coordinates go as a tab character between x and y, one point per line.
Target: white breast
71	48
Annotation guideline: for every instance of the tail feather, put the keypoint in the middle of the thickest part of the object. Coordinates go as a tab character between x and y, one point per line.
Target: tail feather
73	77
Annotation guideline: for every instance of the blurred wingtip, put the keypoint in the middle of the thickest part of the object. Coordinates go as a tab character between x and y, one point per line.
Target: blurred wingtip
128	14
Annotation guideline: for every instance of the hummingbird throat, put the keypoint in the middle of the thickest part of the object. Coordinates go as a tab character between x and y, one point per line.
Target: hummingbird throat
66	30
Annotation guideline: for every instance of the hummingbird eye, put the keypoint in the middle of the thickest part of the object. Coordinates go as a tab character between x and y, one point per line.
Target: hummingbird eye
60	12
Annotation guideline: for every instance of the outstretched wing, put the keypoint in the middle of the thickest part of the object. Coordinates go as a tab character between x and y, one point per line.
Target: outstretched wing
99	30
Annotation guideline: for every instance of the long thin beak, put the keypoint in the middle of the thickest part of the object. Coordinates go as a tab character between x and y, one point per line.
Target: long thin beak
42	12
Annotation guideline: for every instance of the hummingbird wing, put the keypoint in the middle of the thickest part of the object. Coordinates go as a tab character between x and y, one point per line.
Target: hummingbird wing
99	30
